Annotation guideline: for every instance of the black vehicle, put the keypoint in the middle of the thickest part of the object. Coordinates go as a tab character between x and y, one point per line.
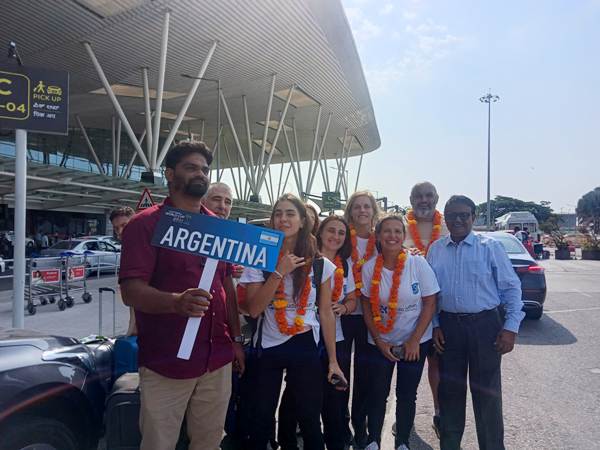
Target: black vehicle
52	390
533	278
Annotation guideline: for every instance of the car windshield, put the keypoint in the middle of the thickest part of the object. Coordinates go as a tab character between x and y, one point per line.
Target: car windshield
510	244
65	245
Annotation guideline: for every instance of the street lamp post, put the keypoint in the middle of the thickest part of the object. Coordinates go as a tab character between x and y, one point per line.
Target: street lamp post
489	99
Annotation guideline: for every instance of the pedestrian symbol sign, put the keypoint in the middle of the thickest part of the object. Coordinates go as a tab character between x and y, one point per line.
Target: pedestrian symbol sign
145	200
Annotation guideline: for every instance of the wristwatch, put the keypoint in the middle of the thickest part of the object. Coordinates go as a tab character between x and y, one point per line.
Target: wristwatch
239	339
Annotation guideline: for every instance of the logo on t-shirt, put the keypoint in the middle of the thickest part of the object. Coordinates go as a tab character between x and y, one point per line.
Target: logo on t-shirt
415	288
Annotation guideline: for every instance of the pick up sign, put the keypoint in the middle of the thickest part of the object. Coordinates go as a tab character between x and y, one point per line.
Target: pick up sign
217	240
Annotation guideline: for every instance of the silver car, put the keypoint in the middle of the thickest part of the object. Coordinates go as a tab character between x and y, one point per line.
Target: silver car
101	255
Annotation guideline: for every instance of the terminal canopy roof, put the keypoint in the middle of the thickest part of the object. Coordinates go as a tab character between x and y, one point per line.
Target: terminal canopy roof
306	43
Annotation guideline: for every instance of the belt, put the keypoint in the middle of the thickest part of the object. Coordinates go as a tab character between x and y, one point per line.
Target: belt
469	316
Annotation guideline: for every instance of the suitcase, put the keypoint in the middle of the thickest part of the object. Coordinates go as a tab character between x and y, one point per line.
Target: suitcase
125	355
123	414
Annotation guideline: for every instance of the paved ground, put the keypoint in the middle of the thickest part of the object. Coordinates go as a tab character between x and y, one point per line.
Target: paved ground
551	381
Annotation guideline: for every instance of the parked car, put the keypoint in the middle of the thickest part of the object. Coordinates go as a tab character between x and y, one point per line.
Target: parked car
52	390
10	235
110	239
531	274
102	255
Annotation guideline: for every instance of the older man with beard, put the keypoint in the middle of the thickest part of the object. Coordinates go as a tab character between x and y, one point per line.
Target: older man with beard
161	285
424	225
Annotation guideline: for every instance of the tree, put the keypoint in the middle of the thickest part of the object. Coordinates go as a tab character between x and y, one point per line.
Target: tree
588	210
552	226
502	205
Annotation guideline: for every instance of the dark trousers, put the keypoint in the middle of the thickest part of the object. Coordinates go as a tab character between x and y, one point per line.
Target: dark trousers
333	413
470	348
408	376
355	332
299	357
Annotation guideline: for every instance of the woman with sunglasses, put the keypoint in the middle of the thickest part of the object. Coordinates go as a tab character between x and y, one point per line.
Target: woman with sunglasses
399	300
288	331
361	214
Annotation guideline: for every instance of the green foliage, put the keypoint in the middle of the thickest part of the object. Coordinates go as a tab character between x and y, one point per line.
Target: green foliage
588	211
552	227
502	205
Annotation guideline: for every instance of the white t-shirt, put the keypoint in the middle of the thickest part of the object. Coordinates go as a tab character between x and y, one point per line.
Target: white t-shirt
417	281
271	336
361	246
348	287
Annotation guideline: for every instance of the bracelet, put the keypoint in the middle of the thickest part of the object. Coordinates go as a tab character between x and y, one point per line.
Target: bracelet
277	273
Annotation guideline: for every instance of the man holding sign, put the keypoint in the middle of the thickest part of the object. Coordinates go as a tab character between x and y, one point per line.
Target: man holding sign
161	285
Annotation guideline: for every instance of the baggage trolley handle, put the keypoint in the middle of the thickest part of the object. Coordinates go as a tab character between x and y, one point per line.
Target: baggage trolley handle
100	291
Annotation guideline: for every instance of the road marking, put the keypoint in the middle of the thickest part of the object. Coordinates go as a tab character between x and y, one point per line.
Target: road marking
582	293
572	310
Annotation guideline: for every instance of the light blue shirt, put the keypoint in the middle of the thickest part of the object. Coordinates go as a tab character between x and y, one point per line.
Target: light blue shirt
476	275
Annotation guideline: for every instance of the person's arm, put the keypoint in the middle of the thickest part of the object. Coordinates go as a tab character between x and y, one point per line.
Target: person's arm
327	320
259	295
138	294
233	320
412	344
384	347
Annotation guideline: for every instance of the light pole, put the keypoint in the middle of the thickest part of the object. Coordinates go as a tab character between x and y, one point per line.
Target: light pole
489	99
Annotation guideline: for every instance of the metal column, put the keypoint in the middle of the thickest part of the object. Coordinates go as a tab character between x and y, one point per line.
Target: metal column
164	41
18	307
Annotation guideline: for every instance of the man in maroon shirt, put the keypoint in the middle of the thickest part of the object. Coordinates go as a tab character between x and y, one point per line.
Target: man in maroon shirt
161	285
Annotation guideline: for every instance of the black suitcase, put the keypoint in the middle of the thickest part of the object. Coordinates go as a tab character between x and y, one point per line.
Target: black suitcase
123	414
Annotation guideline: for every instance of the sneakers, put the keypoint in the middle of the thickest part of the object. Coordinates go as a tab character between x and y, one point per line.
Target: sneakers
372	446
436	426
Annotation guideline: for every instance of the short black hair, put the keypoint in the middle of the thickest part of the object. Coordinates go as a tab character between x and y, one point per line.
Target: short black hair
183	149
125	211
460	200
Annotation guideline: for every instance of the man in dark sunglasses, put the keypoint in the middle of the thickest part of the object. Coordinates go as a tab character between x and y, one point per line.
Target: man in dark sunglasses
475	277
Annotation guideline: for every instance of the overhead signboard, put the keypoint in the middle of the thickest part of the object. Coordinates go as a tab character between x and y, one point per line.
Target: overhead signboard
331	200
146	200
34	99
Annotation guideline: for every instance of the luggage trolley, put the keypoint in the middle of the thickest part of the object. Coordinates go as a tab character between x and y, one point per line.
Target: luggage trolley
75	269
45	283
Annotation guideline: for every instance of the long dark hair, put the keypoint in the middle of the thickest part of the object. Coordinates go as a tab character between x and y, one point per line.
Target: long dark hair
315	227
345	250
306	243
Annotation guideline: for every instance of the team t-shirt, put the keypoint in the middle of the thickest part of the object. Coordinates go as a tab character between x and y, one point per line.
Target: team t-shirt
348	288
361	246
418	280
271	336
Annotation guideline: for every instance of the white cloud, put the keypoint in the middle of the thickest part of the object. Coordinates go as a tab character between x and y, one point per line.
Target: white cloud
387	8
362	28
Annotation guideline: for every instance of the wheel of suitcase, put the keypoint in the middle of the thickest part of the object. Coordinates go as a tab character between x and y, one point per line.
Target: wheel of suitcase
52	299
86	297
70	302
61	304
31	309
43	301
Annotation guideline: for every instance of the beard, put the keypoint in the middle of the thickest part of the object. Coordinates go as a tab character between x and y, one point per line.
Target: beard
424	212
195	187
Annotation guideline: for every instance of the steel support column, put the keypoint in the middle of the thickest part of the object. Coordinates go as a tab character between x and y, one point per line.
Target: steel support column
90	146
249	137
186	105
337	180
314	149
292	162
116	105
317	162
164	42
266	132
358	174
147	112
235	185
18	306
297	155
127	170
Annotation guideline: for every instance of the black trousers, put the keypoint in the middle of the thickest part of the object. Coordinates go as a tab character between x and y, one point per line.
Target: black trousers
333	413
470	349
408	376
299	357
355	332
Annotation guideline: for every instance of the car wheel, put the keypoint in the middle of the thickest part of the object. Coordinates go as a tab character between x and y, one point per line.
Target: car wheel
30	432
536	314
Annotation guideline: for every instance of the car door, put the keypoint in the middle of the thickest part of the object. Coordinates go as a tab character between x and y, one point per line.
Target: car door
110	256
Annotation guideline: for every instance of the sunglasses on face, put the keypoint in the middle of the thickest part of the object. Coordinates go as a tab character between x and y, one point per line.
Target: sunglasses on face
453	217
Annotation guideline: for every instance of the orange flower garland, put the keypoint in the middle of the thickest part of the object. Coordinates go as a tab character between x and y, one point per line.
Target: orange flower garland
280	304
414	230
338	280
358	263
393	300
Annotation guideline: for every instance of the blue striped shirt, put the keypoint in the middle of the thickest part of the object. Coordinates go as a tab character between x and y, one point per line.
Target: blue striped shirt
476	275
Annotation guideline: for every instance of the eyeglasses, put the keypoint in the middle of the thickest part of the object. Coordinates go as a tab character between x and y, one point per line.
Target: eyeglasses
463	216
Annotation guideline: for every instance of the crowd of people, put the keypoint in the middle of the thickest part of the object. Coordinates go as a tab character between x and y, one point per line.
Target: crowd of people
352	299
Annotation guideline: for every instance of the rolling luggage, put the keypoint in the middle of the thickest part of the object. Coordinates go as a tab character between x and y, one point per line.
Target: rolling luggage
126	354
123	414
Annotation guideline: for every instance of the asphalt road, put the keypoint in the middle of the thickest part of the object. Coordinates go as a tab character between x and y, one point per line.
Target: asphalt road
551	381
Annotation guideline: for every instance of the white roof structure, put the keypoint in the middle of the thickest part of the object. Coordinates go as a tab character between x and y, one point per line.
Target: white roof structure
516	217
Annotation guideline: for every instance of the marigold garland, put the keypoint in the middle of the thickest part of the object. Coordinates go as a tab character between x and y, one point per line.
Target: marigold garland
358	263
280	304
414	230
393	299
338	280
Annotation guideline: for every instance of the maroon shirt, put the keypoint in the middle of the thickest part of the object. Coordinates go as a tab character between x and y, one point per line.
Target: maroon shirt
159	335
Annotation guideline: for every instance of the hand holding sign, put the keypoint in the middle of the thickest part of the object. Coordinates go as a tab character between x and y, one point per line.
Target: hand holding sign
192	302
216	239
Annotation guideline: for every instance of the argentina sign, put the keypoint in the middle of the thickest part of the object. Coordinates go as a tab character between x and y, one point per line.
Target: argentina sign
208	236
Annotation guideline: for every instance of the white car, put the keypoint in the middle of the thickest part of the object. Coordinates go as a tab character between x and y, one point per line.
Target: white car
102	255
110	239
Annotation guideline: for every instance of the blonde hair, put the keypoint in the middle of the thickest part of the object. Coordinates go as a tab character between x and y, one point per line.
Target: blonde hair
355	196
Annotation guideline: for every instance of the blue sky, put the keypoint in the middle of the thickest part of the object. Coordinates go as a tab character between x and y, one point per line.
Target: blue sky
428	62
